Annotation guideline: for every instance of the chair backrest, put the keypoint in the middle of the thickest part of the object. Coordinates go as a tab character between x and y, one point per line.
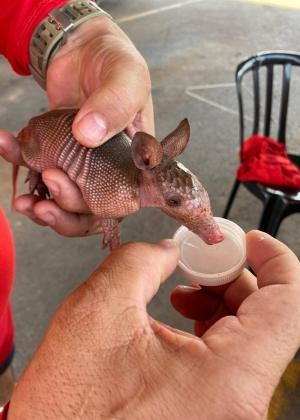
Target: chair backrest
267	60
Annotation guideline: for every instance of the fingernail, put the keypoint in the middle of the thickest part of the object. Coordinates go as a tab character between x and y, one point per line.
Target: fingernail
93	127
168	243
183	287
48	218
52	185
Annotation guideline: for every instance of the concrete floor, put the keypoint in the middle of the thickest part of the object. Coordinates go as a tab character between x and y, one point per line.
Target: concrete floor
187	48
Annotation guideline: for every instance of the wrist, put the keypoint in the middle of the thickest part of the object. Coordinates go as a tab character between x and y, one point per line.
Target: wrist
52	32
97	26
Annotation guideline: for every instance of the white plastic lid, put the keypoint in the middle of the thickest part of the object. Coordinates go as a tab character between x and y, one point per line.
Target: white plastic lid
212	265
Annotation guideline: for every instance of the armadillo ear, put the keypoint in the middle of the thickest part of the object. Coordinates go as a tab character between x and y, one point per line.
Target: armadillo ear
146	151
175	143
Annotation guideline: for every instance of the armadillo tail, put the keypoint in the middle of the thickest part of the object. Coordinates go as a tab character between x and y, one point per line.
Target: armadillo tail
14	180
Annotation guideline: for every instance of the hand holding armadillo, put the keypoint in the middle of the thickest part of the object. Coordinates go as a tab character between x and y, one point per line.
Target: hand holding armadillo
120	177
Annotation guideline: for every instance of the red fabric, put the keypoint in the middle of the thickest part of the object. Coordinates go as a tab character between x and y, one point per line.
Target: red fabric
18	20
7	272
266	161
4	413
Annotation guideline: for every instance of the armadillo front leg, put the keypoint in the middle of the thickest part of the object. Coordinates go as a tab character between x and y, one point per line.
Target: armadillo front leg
110	230
36	183
111	233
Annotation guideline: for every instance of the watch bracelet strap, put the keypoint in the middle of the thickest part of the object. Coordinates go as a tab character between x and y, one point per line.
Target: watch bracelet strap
52	33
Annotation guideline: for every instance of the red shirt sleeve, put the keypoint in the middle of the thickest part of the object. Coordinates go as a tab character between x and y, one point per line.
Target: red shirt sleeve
7	261
18	20
7	272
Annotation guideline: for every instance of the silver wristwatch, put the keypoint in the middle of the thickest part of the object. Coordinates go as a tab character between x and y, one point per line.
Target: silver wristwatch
52	33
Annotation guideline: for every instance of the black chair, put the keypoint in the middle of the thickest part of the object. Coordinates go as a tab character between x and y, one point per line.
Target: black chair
277	203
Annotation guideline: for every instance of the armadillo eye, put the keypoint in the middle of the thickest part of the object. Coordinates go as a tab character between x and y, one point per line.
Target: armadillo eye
174	201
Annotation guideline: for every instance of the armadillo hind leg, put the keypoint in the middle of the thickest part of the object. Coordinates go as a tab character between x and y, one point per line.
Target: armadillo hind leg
36	184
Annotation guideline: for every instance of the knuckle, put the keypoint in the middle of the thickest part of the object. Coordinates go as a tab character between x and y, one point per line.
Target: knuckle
143	74
122	102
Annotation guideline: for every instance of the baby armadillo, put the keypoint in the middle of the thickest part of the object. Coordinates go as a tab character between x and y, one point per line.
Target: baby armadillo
121	176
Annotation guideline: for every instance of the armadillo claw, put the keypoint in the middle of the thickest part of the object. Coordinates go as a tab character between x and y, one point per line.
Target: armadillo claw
111	233
36	184
113	243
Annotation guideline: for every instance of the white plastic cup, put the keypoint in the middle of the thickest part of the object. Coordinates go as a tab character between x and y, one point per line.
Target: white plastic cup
212	265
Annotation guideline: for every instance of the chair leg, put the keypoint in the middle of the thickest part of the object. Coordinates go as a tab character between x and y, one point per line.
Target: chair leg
231	198
279	214
272	215
267	214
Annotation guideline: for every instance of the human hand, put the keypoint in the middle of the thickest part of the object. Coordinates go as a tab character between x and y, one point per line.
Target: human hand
99	71
105	357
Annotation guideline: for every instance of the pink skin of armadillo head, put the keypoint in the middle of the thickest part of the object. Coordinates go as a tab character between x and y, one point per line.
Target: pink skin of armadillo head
170	186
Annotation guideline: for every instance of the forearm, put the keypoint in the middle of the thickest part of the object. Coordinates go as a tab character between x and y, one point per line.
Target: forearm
18	20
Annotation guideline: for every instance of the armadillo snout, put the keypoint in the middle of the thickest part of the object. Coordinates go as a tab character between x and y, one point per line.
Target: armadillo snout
209	232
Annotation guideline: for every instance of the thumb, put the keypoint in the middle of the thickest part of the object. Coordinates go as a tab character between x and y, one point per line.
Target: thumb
115	103
134	271
270	316
272	261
